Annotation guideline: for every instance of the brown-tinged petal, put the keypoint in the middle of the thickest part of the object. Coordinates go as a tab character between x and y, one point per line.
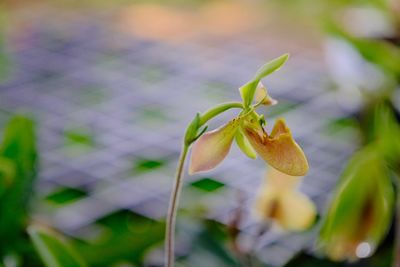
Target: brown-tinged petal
212	147
278	149
261	94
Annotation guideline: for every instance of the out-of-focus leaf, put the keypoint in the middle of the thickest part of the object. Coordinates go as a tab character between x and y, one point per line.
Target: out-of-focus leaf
210	248
54	251
79	136
18	147
379	124
384	55
127	237
142	165
361	210
207	184
7	174
65	195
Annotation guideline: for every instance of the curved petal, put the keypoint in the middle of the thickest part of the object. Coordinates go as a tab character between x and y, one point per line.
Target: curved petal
212	147
261	94
245	145
279	149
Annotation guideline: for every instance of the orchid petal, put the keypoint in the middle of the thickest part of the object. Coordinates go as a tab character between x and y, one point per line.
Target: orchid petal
245	145
262	96
212	147
279	149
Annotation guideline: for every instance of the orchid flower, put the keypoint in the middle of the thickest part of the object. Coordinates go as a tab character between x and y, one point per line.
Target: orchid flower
277	148
279	201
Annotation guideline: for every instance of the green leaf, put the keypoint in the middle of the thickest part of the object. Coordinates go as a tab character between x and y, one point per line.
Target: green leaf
124	236
54	251
362	206
7	174
247	91
207	184
19	149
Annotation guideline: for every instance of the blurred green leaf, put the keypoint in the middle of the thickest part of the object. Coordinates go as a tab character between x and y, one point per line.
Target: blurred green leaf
361	209
383	54
79	136
210	248
207	184
54	251
7	174
128	237
18	147
65	195
144	165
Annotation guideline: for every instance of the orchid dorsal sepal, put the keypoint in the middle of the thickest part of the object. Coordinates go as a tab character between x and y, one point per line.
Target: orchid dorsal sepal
248	90
271	66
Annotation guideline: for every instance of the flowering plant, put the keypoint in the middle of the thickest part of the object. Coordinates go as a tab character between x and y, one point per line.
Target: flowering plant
277	148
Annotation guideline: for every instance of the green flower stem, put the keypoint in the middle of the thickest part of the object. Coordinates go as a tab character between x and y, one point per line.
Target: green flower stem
211	113
172	210
177	188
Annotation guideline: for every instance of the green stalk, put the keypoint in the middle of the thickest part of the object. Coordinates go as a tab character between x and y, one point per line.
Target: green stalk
211	113
172	210
190	137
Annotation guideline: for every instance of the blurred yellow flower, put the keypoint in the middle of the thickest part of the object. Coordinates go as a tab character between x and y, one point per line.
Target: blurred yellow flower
280	202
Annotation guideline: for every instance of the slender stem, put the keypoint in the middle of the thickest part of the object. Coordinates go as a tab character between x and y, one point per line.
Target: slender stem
172	210
211	113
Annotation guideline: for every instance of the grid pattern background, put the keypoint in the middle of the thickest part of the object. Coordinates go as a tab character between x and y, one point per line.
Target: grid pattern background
134	97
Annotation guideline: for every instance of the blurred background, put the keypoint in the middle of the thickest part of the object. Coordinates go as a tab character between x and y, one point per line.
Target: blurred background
111	86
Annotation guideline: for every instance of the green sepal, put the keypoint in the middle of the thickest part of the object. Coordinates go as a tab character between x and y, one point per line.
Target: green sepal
245	145
271	66
192	129
248	90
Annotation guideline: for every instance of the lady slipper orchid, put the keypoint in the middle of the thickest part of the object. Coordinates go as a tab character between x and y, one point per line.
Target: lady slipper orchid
280	202
278	148
210	148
